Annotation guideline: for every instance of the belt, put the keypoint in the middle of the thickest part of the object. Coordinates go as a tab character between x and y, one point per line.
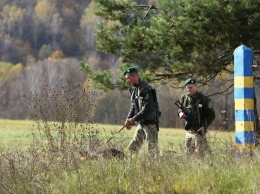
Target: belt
147	122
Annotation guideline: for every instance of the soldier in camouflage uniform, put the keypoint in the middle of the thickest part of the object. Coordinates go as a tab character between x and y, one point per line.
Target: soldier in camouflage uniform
200	107
144	110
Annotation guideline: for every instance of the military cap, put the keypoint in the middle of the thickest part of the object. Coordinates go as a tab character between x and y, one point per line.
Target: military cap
190	81
131	70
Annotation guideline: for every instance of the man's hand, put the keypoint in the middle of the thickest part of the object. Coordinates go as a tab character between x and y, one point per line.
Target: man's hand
128	124
182	115
131	121
202	130
128	127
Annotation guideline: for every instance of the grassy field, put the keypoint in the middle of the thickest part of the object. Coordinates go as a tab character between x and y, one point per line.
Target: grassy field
20	132
50	162
14	132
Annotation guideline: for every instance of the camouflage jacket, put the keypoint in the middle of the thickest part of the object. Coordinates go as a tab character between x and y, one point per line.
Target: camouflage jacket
206	113
144	106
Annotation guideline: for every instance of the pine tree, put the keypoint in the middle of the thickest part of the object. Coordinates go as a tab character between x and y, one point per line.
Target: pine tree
177	39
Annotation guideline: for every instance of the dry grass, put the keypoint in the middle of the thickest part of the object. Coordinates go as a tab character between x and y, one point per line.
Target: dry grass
50	162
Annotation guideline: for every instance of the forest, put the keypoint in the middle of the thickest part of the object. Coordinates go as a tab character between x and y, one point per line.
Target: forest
42	44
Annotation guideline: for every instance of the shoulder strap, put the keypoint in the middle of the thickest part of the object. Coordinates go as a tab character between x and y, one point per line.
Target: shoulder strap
132	91
185	100
197	107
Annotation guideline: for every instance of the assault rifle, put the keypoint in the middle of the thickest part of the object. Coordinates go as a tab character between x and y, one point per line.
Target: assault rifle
191	124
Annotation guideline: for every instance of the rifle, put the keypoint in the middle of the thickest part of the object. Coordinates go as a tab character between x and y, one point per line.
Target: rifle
116	133
191	124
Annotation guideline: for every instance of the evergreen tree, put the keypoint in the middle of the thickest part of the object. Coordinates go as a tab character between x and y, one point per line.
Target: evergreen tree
176	39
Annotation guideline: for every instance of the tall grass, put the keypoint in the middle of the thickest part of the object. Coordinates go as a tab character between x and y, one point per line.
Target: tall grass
169	174
51	162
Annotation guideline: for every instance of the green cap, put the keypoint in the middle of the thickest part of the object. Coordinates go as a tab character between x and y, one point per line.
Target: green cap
130	70
190	81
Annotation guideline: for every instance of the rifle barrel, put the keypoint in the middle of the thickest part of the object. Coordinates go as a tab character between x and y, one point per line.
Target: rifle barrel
116	133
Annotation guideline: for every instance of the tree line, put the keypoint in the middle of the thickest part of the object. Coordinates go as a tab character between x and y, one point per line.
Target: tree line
18	83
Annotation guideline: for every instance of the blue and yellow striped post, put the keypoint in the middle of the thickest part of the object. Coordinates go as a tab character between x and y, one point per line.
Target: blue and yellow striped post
244	99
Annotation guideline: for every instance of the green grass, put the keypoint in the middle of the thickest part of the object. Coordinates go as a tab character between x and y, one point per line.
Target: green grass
14	132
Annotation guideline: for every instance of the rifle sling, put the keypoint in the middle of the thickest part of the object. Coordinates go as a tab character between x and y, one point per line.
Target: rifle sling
198	111
139	100
133	101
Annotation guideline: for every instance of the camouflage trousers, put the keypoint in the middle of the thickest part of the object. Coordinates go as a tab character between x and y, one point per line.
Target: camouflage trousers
142	133
195	144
